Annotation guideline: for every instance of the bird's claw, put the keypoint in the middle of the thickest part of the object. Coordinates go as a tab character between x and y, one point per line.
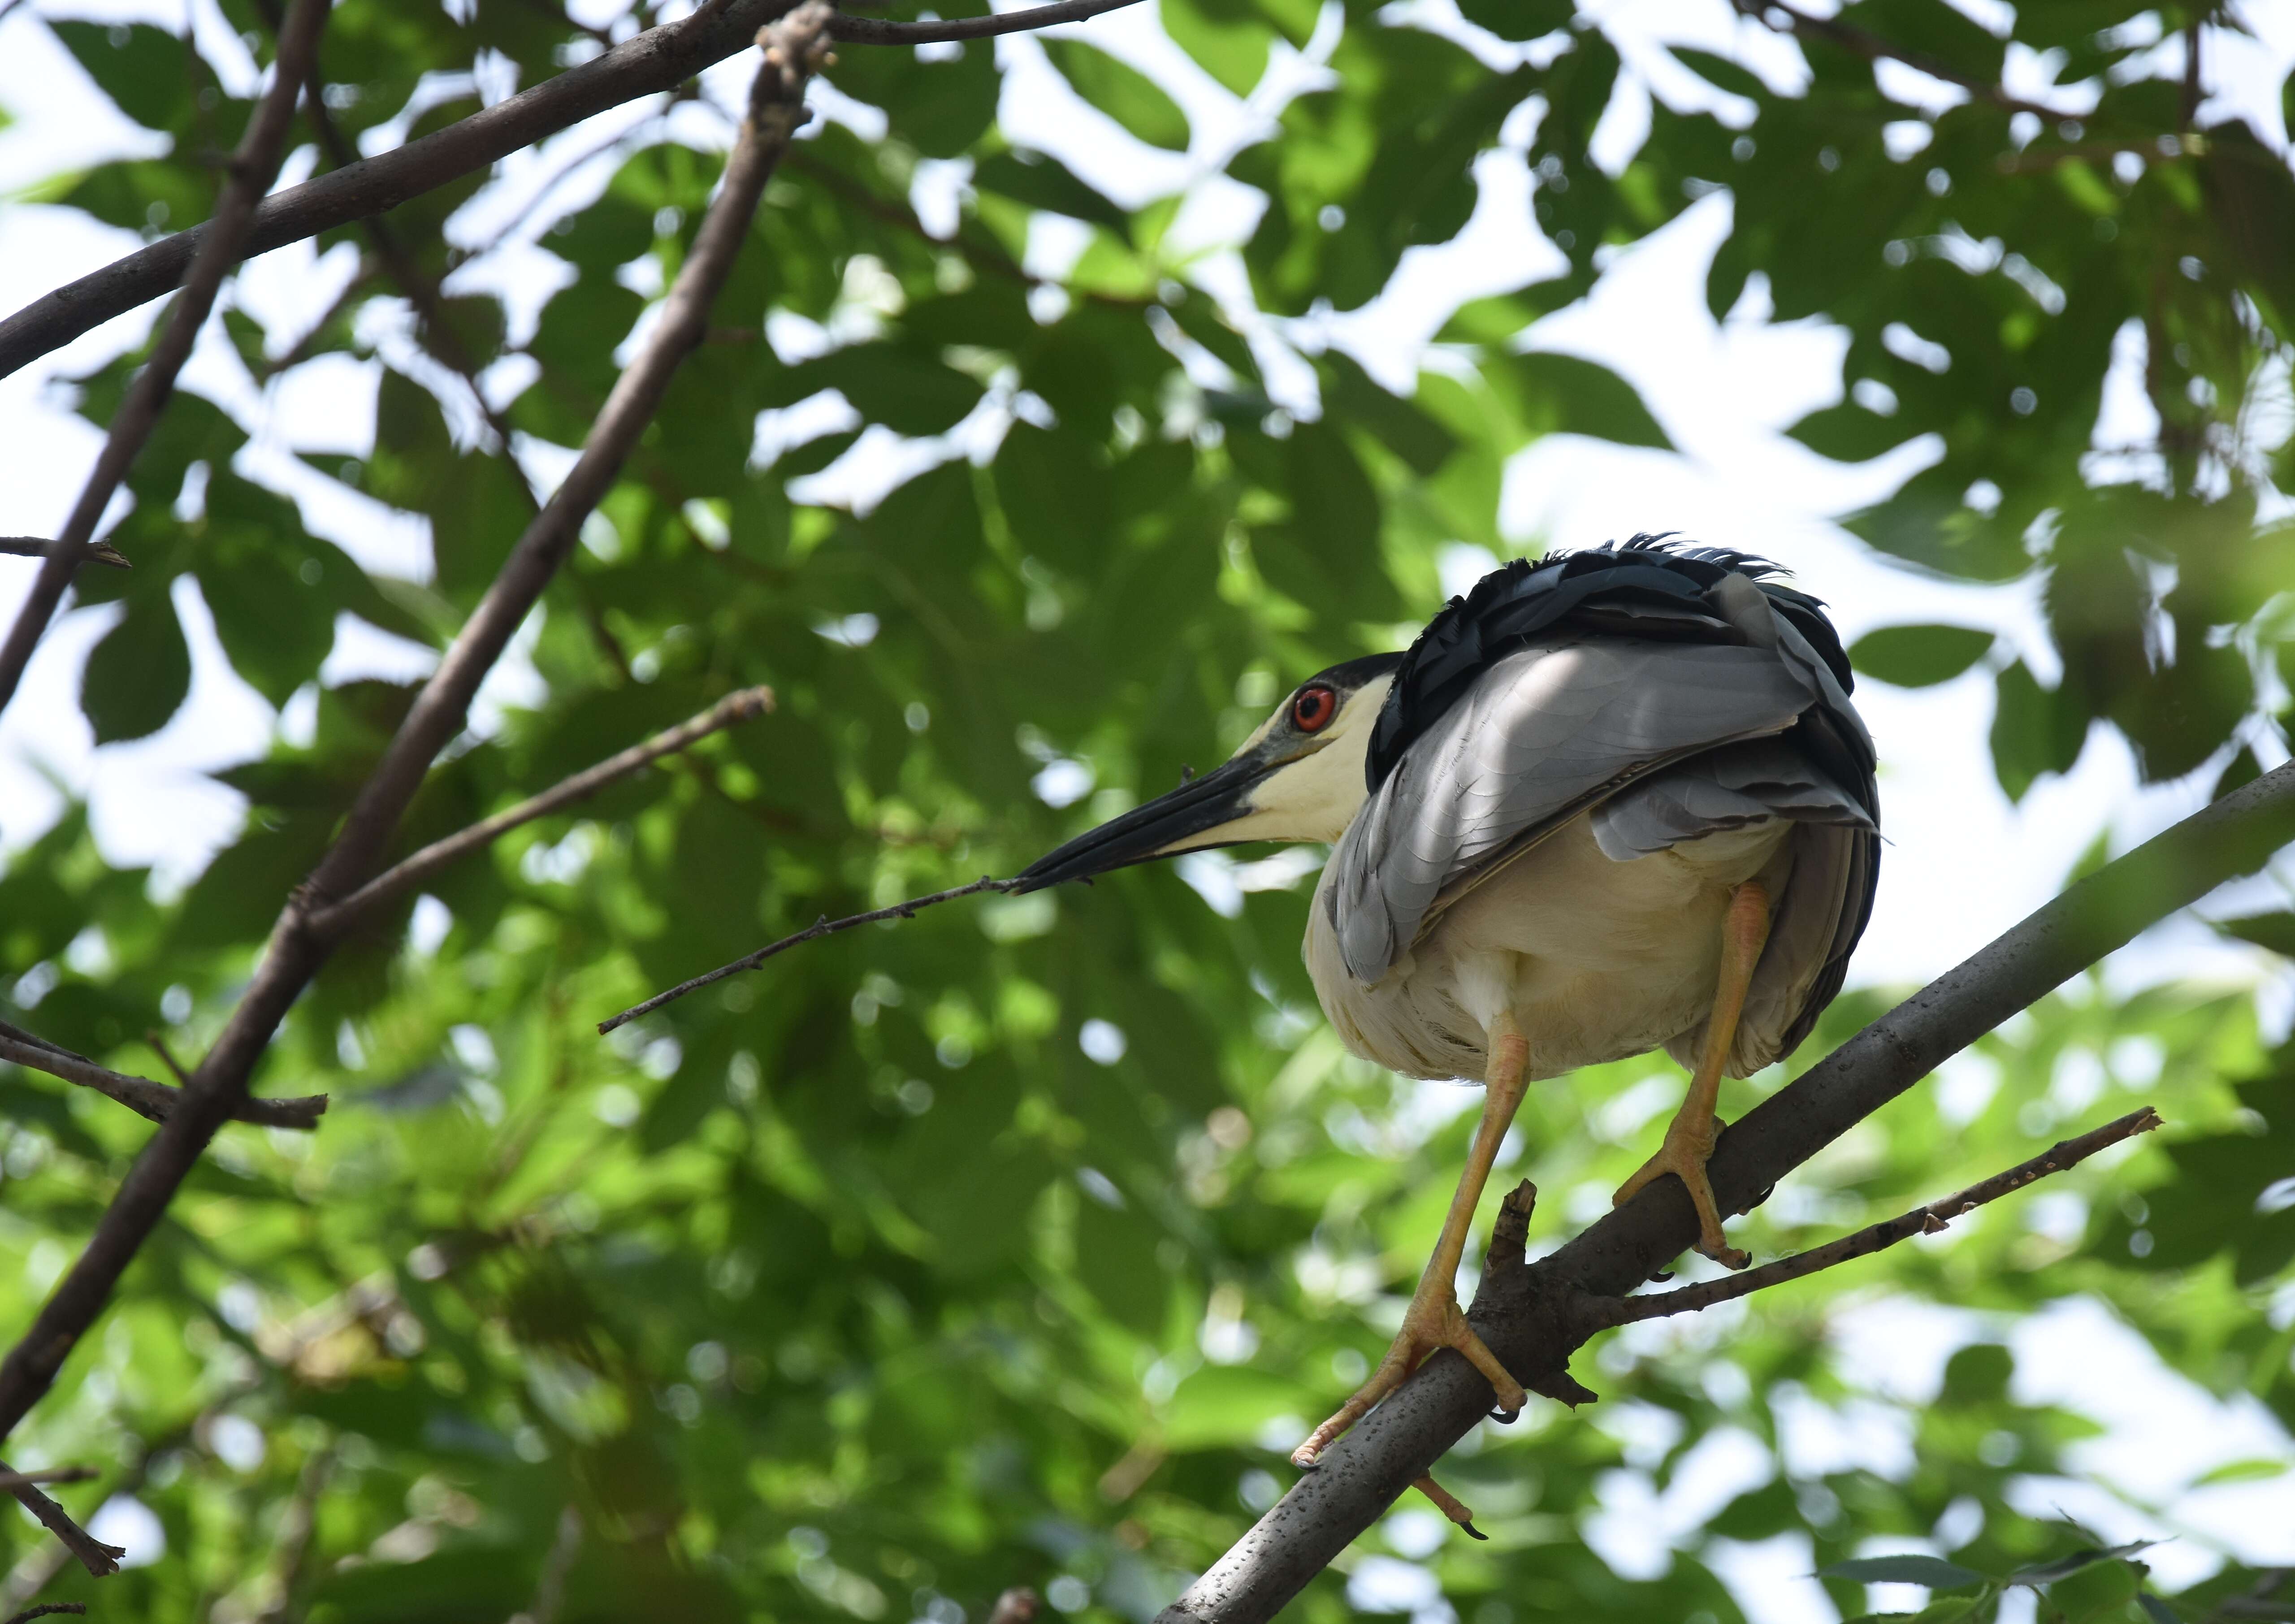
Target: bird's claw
1432	1321
1685	1152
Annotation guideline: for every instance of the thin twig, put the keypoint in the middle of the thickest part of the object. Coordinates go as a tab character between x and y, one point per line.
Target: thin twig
252	168
736	707
40	547
1930	1219
54	1474
45	1608
793	49
101	1560
1873	48
154	1102
158	1046
872	31
822	927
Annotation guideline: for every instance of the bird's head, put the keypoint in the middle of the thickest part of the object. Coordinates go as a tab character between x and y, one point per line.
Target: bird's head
1298	777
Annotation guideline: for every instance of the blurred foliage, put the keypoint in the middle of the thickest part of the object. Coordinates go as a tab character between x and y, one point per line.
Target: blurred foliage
1017	1245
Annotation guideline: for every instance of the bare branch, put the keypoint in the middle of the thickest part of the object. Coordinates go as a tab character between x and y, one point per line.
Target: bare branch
252	169
101	1560
1534	1314
870	31
396	882
660	59
40	547
822	927
45	1608
1873	48
152	1101
794	48
1930	1219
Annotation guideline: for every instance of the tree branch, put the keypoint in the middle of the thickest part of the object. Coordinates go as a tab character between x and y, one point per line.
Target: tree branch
253	166
822	927
40	547
152	1101
45	1608
1534	1314
1930	1219
1873	48
794	48
870	31
659	60
332	922
101	1560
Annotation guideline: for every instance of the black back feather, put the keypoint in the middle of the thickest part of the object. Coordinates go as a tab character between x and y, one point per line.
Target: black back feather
1648	587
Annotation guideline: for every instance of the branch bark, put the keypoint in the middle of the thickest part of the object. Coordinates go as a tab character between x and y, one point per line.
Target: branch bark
152	1101
101	1560
872	31
794	48
40	547
332	922
253	168
1534	1314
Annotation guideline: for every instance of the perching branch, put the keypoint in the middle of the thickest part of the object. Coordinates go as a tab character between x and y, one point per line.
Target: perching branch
40	547
869	32
1930	1219
153	1101
1873	48
1535	1315
793	49
252	168
396	882
822	927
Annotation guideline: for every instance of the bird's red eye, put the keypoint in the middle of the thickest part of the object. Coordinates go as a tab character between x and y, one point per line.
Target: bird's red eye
1312	710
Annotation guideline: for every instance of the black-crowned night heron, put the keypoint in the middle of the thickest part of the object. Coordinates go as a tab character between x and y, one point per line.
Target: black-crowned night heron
1611	801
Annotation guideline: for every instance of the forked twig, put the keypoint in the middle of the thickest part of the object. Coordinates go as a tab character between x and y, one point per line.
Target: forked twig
1930	1219
822	927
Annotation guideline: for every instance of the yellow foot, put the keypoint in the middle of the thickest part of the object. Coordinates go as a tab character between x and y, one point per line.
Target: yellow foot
1432	1321
1448	1504
1683	1154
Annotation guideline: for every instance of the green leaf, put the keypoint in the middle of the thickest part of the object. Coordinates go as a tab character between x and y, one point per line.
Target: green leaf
148	72
1121	92
1044	183
1918	657
2064	1567
140	673
1555	393
1933	1571
2034	731
2274	931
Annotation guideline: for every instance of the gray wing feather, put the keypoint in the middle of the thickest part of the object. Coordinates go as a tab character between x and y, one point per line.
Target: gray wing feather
1545	733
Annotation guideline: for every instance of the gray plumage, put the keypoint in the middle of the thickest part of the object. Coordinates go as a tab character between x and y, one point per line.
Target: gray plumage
1659	747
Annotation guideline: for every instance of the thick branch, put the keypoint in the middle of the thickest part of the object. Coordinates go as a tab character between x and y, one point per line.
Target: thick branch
153	1101
1534	1314
40	547
794	48
1930	1219
869	32
253	166
396	882
822	927
1873	48
101	1560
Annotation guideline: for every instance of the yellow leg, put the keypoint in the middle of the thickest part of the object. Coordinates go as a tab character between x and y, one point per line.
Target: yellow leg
1689	1140
1433	1319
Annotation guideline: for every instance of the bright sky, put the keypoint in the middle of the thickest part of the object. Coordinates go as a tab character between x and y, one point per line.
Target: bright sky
1963	863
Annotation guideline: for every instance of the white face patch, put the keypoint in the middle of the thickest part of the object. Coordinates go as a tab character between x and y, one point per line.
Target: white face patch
1313	797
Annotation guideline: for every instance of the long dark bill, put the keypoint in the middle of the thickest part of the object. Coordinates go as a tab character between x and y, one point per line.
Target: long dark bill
1221	795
